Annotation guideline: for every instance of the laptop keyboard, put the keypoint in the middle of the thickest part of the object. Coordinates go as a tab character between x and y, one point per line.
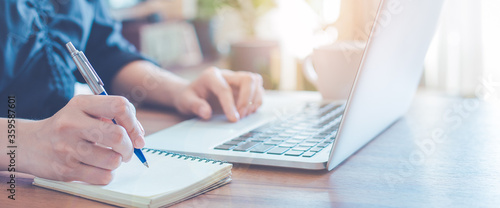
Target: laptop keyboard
302	134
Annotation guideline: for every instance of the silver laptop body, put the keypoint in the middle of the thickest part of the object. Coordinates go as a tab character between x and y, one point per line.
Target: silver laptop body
386	81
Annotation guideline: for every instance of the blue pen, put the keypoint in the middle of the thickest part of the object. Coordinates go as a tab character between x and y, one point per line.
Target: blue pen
95	83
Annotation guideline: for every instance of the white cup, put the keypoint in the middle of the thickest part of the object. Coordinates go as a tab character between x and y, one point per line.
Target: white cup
332	68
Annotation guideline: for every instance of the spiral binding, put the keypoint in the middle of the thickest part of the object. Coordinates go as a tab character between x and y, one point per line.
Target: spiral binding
182	156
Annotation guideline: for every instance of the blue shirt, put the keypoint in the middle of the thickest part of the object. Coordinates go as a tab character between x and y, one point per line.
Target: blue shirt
35	66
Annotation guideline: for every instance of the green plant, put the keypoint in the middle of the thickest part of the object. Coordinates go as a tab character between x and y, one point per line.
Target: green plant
248	10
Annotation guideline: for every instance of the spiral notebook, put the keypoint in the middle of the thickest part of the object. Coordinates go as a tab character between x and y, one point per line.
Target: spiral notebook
171	178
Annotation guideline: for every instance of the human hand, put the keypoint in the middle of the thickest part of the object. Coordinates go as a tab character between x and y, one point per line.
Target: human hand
239	94
80	143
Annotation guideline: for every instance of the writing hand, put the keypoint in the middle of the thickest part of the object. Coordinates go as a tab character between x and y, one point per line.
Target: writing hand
80	143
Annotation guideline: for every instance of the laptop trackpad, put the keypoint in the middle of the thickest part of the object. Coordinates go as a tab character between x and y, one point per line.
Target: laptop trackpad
221	122
205	132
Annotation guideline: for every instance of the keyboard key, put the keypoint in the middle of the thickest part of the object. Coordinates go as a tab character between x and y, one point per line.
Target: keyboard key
318	125
308	154
294	140
273	142
285	135
308	133
307	144
316	149
268	134
336	126
286	144
258	139
277	139
300	127
248	135
245	146
322	106
301	148
274	132
232	142
322	145
329	107
261	148
330	139
339	114
292	131
294	153
325	123
224	147
278	128
282	137
241	138
301	137
314	140
324	133
324	114
331	118
278	150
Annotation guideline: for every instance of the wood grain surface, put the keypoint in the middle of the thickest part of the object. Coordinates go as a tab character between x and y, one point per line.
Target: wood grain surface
444	153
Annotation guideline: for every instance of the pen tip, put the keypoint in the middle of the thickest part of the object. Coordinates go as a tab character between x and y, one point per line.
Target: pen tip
146	164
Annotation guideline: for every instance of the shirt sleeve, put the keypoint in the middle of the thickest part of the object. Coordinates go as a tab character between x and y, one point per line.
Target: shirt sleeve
106	48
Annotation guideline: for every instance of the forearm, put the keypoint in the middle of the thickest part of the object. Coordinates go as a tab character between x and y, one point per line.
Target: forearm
142	81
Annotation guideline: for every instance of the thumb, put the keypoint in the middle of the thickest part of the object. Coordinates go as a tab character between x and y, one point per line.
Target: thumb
200	107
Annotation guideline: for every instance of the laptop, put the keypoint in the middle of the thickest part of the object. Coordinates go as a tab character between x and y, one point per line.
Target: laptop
298	129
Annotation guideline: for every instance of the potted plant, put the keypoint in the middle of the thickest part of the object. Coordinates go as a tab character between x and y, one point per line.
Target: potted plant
247	13
239	19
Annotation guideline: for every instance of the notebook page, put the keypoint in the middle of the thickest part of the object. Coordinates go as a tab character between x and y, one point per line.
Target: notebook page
166	174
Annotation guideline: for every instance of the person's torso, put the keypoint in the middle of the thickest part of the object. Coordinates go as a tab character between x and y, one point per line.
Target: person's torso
34	64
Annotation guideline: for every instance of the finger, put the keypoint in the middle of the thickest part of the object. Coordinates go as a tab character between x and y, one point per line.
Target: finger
97	156
198	106
139	142
91	174
218	85
246	82
258	99
259	92
108	135
113	107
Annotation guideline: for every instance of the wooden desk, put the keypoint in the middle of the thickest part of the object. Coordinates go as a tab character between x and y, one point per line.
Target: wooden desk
391	171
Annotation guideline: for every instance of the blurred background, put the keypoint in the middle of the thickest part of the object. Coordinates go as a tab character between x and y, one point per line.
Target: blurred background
275	37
